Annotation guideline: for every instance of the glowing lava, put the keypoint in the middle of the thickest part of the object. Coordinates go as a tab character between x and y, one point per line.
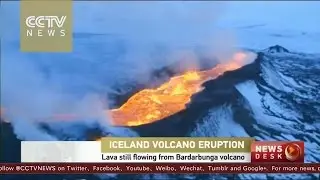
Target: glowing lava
150	105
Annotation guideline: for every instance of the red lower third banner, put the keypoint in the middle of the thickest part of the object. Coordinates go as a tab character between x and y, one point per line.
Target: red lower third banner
135	168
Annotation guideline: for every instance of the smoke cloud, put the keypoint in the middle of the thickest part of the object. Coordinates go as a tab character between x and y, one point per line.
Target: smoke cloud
130	39
159	33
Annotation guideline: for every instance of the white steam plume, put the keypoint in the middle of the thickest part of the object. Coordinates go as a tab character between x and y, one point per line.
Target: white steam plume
158	33
154	34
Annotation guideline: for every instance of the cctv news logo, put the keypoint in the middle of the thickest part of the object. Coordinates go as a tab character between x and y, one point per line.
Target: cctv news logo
45	26
277	151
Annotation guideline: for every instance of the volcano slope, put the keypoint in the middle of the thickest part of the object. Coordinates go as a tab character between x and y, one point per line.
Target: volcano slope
274	98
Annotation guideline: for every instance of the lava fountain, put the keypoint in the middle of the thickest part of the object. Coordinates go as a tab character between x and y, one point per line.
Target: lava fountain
150	105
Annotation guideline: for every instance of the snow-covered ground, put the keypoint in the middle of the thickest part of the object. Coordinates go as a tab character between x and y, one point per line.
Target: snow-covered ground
282	107
219	123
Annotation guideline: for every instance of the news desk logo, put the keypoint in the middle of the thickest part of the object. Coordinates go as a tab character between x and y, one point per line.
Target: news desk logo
46	26
277	151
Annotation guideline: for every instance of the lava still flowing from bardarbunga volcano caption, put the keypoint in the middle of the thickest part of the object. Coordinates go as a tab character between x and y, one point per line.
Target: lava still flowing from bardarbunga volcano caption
150	105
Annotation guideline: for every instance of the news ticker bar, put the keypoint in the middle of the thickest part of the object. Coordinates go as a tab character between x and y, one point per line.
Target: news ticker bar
136	168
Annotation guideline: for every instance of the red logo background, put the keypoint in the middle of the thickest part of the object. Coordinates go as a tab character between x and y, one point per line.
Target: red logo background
285	151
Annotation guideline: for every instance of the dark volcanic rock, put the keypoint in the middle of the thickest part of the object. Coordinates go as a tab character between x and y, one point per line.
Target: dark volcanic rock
277	49
10	145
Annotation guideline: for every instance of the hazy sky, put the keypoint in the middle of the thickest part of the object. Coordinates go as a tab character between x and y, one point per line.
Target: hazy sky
188	23
104	16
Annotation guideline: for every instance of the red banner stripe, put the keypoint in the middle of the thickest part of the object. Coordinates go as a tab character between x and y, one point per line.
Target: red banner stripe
135	168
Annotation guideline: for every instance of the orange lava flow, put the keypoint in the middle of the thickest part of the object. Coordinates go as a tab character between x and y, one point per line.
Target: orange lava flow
150	105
